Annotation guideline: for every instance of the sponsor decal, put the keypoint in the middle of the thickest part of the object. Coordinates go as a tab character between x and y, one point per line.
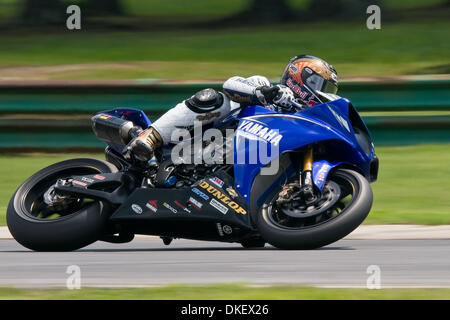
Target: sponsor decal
303	93
245	81
136	208
188	128
217	182
296	88
181	206
152	205
222	197
88	180
199	193
321	174
216	204
168	206
232	192
261	131
105	116
195	203
238	98
227	229
219	229
79	183
292	69
208	116
142	133
99	177
311	101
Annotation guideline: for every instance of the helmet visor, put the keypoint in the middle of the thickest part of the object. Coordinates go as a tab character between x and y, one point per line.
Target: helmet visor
330	87
316	83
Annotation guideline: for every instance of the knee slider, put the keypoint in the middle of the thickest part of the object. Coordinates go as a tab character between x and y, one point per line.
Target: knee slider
205	100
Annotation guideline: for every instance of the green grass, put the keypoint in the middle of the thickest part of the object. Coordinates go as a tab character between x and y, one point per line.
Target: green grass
228	292
204	7
149	8
182	8
217	54
16	169
413	184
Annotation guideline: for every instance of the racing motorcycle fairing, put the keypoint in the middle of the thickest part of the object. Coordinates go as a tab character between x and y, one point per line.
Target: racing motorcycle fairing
138	117
208	209
335	124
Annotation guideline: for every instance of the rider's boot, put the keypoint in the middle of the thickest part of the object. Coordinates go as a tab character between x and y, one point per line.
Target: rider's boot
144	145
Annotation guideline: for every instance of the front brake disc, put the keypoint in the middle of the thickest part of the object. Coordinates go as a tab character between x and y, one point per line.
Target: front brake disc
330	196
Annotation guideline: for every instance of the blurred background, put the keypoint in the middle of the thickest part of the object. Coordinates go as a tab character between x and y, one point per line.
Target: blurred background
152	54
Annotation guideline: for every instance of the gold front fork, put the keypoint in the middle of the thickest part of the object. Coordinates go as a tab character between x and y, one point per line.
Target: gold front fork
308	160
306	178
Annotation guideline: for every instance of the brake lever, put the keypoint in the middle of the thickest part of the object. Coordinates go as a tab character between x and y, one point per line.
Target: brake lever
296	105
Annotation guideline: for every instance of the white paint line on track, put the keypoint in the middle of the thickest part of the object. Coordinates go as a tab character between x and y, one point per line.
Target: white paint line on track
400	232
5	234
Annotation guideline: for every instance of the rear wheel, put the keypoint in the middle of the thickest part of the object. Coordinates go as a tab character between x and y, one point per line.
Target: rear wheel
345	202
67	223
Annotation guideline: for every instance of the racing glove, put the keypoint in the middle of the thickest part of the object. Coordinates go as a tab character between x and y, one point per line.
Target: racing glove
279	95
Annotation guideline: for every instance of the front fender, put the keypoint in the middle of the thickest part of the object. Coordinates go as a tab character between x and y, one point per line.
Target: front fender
321	169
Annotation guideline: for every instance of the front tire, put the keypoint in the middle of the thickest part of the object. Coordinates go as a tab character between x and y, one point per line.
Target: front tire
301	235
82	225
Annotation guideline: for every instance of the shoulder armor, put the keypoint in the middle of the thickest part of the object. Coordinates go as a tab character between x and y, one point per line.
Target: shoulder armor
205	100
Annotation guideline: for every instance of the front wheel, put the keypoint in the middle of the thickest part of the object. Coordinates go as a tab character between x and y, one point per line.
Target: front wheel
344	204
67	225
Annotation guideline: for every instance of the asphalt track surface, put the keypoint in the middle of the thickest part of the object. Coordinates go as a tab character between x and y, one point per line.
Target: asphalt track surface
148	262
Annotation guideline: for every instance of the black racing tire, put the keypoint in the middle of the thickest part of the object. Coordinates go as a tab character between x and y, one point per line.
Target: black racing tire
66	233
324	233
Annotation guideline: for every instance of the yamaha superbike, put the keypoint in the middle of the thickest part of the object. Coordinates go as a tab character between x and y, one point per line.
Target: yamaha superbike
317	190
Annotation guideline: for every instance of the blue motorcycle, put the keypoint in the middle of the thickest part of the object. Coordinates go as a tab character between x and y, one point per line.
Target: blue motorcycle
310	189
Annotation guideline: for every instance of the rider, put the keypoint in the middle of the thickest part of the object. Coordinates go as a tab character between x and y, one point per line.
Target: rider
307	80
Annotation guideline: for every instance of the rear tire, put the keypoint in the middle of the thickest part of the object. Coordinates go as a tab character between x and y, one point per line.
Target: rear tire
326	232
66	233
